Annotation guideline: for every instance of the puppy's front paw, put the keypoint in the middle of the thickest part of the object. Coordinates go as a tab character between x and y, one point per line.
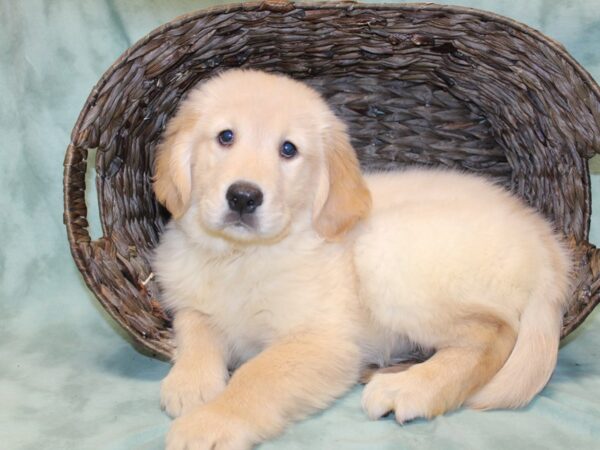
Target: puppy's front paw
186	387
399	393
205	428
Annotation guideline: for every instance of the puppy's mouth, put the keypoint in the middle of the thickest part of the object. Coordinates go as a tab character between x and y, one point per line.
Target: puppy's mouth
247	228
240	221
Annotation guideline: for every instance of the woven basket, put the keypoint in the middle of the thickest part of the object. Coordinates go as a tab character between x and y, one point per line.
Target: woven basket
417	84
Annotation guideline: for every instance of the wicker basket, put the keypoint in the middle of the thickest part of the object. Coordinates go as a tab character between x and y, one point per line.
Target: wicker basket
417	84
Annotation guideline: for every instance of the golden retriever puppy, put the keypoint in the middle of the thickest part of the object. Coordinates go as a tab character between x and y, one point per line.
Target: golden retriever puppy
284	262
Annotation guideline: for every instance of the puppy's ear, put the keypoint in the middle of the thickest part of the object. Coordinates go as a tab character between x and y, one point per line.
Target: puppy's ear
172	165
342	197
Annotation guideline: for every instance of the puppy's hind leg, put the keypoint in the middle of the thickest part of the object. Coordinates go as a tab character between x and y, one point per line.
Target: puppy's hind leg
474	349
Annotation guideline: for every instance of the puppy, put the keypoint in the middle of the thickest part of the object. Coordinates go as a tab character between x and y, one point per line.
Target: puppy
283	262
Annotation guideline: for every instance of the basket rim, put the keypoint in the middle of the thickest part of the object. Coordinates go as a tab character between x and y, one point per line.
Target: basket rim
78	233
286	6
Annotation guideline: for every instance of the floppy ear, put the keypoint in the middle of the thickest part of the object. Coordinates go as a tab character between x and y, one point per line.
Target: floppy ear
342	197
172	180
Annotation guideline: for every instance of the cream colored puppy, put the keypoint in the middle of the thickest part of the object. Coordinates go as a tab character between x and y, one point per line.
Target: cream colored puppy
283	262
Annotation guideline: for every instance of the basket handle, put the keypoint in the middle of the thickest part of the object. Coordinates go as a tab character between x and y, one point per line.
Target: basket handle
587	286
75	209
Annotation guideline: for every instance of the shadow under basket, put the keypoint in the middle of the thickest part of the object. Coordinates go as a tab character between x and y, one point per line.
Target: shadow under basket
418	84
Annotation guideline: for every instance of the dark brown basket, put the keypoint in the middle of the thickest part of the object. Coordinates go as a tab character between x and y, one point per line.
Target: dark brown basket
417	84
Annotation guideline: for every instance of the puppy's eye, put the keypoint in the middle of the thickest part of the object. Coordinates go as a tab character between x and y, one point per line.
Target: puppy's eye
225	137
288	150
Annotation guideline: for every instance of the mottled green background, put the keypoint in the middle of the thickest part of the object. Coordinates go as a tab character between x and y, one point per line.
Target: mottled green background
69	380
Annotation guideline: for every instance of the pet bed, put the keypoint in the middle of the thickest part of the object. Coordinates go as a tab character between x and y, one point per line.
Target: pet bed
418	84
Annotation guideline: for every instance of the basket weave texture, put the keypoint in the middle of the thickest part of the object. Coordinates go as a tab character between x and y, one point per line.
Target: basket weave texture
418	84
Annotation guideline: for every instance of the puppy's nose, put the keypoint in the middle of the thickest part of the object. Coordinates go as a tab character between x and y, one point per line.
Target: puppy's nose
244	198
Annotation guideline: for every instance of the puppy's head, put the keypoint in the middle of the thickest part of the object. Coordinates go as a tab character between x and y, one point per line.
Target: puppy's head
251	156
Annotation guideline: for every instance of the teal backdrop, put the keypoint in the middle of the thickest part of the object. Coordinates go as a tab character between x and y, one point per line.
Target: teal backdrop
69	379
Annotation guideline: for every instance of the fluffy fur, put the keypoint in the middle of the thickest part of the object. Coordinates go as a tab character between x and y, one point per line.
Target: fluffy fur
335	271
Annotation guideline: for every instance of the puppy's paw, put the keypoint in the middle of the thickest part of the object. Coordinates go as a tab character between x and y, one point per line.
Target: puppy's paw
205	428
186	387
398	393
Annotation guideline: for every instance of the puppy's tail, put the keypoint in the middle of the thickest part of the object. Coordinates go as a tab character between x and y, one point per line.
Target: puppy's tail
532	361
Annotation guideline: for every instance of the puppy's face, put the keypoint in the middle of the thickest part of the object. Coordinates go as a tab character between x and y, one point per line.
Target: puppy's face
253	156
258	142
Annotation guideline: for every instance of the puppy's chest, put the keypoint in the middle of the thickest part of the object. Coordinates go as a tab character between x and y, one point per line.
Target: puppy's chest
235	294
251	300
259	295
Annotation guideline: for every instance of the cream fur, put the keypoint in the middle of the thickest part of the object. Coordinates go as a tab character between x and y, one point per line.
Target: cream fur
318	287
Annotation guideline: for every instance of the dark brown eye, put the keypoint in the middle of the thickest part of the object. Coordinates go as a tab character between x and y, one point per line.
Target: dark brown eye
288	150
225	137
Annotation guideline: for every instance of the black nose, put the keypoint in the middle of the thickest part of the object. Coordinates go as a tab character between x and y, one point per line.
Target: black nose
243	197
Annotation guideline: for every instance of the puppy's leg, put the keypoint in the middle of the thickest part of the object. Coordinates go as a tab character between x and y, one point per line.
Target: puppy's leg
200	372
285	382
474	350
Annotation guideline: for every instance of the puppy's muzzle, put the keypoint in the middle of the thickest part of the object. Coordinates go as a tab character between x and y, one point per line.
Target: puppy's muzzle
244	198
